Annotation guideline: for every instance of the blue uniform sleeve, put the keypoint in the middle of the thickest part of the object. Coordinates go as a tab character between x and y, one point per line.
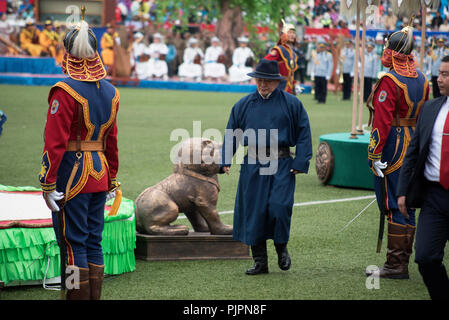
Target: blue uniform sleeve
303	152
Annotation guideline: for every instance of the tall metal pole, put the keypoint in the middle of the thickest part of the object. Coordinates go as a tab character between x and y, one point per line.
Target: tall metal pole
423	34
356	73
362	73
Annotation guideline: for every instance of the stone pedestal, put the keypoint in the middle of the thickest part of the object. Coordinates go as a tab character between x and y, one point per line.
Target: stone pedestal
194	246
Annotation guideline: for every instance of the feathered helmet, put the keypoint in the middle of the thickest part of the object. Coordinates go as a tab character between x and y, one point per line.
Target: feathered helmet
81	60
398	52
284	31
287	26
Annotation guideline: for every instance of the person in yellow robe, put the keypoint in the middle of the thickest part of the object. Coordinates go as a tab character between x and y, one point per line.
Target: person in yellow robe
107	46
60	34
48	39
29	40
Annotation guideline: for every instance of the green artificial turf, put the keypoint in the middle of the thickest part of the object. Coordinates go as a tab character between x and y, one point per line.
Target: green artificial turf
326	263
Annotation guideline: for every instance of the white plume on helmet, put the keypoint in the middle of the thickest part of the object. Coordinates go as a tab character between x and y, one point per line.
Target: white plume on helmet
81	45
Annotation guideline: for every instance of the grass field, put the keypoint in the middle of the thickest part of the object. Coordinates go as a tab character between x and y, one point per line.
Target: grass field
326	263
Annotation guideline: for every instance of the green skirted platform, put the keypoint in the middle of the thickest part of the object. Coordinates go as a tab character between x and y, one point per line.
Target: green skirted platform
31	254
342	161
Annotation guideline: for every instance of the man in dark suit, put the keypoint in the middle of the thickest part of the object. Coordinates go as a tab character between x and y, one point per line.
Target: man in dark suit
424	183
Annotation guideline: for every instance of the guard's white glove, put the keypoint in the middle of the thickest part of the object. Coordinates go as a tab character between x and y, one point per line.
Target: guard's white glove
298	89
51	198
378	167
110	195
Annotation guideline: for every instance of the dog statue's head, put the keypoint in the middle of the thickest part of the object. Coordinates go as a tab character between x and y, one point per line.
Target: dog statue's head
199	155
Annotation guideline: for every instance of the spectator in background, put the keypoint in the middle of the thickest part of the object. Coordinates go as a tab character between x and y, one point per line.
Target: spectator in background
437	55
379	48
158	50
436	21
301	23
323	66
214	67
172	56
191	68
427	68
181	43
107	46
29	40
49	40
242	62
370	71
140	57
5	26
3	6
347	57
7	46
390	20
310	55
326	20
302	62
444	27
320	8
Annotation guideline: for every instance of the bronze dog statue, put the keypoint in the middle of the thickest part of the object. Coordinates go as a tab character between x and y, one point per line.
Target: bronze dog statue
192	189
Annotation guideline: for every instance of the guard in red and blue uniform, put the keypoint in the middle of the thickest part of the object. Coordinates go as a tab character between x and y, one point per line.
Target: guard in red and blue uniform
80	158
287	59
395	103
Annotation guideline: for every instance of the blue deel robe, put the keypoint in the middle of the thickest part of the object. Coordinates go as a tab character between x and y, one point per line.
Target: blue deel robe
264	202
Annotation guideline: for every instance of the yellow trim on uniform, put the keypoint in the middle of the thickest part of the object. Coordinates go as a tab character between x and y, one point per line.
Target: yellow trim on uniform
113	115
397	165
44	174
81	181
84	103
286	61
405	89
97	175
420	103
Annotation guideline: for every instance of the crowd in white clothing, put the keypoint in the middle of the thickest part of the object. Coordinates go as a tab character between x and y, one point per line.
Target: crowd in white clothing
149	61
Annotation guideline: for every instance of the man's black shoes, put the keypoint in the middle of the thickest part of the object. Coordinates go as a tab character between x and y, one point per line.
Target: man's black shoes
260	266
284	260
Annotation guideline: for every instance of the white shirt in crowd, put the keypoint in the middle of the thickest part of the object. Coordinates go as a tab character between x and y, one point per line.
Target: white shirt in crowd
238	71
158	67
212	68
188	69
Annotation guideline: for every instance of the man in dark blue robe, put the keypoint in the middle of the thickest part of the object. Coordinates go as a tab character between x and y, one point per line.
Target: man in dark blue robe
269	122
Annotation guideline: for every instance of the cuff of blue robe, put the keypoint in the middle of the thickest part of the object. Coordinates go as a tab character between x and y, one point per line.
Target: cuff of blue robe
302	166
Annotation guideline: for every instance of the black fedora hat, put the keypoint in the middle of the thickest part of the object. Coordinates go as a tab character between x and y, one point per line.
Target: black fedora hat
267	69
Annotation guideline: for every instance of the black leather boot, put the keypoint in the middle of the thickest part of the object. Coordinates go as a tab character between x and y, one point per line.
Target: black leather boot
260	257
284	260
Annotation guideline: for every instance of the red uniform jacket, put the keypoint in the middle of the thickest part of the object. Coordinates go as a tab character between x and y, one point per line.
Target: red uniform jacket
412	93
288	64
97	170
